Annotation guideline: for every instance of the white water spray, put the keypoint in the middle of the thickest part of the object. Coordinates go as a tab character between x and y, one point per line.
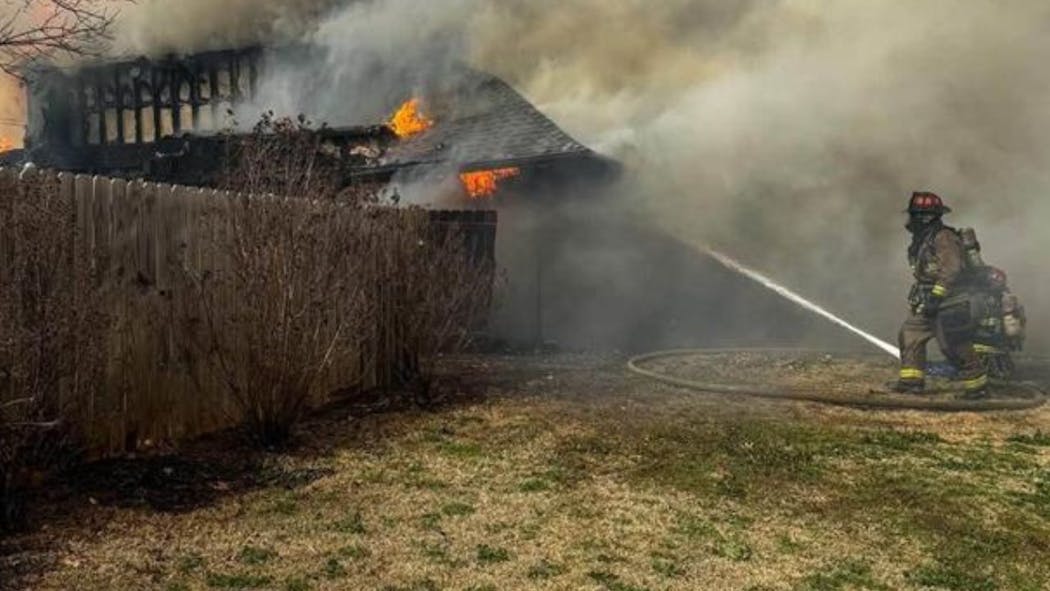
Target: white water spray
801	301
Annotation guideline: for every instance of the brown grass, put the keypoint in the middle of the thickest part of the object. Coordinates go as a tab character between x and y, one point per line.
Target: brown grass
574	476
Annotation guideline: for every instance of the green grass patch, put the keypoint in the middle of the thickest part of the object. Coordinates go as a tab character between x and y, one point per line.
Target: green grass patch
545	569
1038	439
438	553
1037	498
255	556
731	546
533	485
612	582
927	503
285	504
457	510
695	528
575	459
950	577
786	544
236	581
987	459
430	521
333	569
421	585
610	558
189	563
899	441
460	450
738	461
352	524
851	574
416	476
491	554
666	566
297	584
355	552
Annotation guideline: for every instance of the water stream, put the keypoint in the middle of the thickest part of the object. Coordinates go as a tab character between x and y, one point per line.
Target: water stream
801	301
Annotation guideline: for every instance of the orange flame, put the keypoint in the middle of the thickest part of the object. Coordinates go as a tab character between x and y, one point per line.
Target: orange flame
12	113
484	183
410	120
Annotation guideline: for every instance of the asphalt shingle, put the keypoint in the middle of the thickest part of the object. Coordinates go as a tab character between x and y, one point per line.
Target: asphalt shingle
481	121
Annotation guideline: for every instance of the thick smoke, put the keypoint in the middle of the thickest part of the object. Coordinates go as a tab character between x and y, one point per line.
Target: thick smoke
788	133
155	27
366	58
791	133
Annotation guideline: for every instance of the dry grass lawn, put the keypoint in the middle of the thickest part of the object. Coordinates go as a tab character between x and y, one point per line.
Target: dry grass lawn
567	473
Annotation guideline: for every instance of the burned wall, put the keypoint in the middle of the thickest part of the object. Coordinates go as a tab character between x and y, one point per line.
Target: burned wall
138	102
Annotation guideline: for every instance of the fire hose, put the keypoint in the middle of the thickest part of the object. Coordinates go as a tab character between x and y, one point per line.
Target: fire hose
1037	395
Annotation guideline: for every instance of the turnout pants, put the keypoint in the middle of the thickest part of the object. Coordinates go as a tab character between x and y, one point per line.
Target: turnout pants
955	337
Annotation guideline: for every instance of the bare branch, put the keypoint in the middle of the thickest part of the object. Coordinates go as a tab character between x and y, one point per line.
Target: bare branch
33	30
35	425
14	403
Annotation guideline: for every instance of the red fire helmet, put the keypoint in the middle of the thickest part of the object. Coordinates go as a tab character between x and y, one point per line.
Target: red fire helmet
923	202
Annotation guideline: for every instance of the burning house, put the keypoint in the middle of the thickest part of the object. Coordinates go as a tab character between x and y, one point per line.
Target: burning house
463	136
169	119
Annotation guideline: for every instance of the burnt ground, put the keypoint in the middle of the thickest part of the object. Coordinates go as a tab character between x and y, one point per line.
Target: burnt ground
566	472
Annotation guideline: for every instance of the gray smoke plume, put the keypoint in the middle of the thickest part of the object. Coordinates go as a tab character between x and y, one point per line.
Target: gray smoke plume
791	133
788	133
155	27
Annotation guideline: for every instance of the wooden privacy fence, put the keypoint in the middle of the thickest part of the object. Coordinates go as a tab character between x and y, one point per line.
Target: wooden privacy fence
195	309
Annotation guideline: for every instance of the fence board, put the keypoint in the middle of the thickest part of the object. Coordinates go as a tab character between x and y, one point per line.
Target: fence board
9	188
147	235
154	243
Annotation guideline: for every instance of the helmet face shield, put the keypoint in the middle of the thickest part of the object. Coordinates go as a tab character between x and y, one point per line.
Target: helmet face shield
917	222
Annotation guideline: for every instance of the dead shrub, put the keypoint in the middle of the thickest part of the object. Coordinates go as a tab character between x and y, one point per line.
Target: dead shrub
284	306
283	313
440	294
53	330
319	288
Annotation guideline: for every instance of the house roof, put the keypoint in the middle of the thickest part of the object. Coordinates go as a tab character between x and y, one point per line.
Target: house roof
481	122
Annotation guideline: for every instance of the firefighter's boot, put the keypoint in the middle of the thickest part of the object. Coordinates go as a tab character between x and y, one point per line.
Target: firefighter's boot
976	388
912	381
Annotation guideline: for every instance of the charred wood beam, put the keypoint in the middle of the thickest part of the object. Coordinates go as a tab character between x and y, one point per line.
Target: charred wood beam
235	75
138	87
195	95
156	81
85	109
174	96
253	76
100	107
118	100
213	95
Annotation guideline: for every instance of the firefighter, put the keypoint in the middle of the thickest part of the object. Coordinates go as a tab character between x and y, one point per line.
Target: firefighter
939	305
